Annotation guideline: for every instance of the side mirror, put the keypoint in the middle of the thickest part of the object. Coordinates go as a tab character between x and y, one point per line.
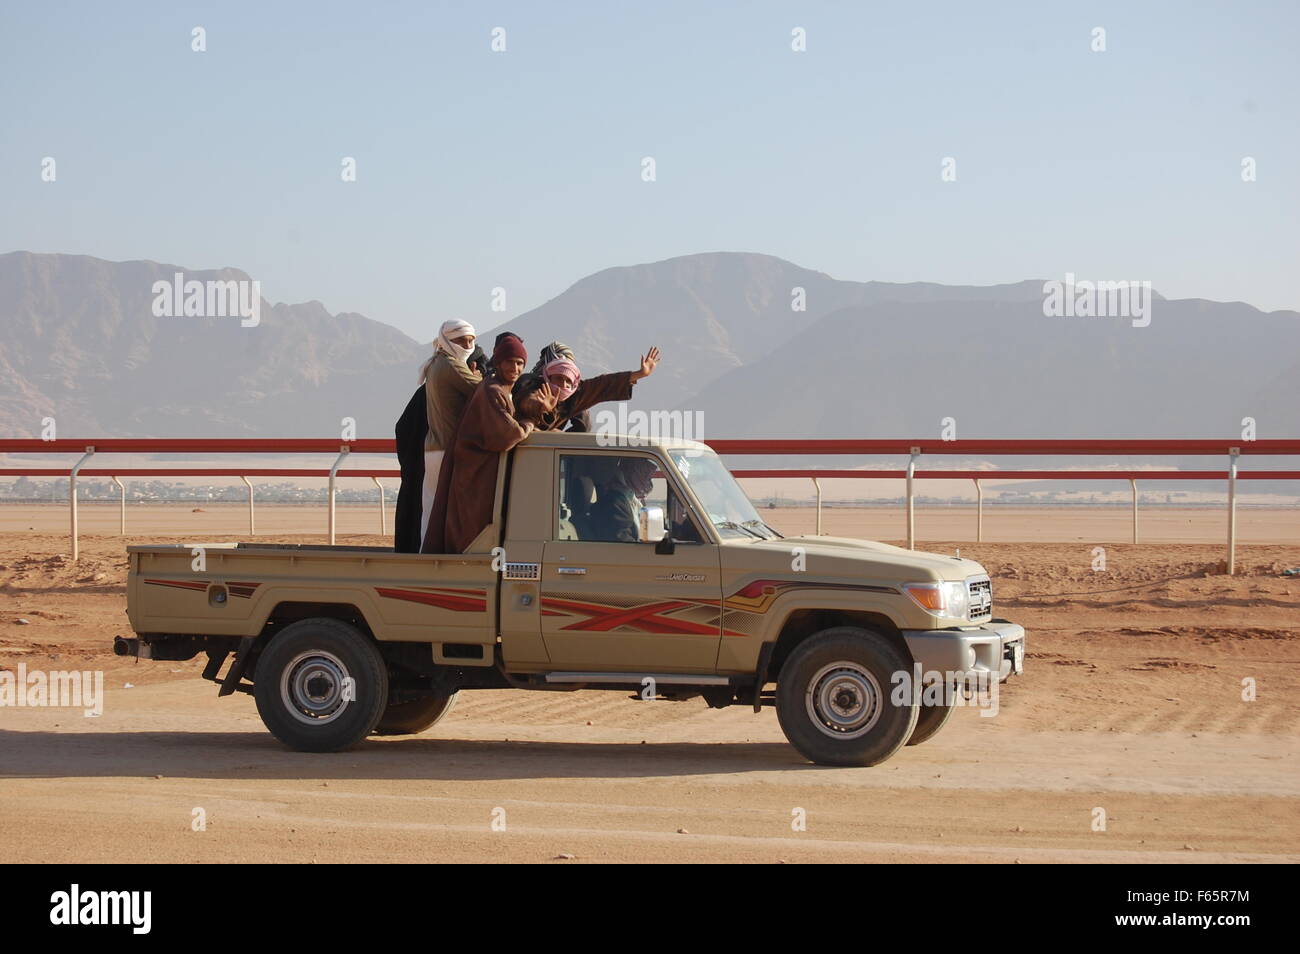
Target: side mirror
666	545
652	524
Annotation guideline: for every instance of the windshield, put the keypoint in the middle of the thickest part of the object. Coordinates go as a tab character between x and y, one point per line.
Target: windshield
725	504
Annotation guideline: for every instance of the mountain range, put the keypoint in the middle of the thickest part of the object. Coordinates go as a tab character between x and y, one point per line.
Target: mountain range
81	343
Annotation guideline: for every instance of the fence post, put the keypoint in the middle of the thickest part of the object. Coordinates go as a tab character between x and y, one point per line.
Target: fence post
249	484
383	520
343	453
1233	454
72	499
911	504
979	512
818	485
1134	483
122	487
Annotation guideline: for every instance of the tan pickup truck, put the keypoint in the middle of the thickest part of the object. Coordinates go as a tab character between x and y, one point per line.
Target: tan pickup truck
611	563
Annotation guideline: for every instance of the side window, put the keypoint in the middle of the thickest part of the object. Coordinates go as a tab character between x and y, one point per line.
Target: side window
678	522
601	497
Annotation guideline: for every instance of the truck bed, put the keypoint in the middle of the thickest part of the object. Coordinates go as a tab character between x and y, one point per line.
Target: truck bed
235	589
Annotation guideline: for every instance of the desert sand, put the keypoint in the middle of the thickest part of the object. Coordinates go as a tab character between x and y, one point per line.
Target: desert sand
1131	703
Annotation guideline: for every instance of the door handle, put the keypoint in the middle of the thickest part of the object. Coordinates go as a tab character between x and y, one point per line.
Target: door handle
571	570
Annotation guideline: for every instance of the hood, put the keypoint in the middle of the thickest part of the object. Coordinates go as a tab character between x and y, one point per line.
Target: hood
867	557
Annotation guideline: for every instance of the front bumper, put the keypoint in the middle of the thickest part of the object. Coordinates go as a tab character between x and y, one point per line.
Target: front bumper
997	646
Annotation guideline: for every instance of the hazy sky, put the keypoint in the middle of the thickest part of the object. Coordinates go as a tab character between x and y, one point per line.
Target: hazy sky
522	169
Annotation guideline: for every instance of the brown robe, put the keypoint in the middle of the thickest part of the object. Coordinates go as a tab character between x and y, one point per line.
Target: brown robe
615	386
467	481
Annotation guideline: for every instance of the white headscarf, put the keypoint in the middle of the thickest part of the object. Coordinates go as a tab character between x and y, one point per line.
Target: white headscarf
454	329
444	343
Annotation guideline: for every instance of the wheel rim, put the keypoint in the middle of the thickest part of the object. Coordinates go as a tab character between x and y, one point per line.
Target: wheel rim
312	687
843	700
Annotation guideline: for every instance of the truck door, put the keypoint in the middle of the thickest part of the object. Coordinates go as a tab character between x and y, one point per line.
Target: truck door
609	602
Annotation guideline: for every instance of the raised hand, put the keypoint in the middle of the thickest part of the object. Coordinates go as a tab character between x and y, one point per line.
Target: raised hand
648	364
547	398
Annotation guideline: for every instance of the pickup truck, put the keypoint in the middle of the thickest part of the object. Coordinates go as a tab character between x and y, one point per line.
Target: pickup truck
611	563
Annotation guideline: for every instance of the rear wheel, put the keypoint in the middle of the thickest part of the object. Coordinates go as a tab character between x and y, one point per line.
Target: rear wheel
834	698
321	685
408	718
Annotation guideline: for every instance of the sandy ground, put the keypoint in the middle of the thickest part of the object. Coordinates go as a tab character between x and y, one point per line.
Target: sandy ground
1131	703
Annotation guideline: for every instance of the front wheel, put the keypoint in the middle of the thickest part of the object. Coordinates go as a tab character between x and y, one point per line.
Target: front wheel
834	698
321	685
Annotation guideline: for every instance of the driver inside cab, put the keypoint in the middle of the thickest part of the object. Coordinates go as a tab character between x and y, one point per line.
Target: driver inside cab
614	516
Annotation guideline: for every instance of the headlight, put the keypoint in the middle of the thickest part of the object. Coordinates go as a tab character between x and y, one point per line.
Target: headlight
939	599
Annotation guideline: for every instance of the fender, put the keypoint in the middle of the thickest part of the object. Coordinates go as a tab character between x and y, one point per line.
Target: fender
756	613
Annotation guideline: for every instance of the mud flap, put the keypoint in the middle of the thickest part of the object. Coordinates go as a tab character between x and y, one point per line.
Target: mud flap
235	674
760	677
231	681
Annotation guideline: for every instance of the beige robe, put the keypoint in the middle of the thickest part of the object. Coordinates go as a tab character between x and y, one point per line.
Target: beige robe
448	386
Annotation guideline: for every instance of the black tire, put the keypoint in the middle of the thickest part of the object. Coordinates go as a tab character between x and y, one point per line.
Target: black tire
409	718
300	689
929	720
835	698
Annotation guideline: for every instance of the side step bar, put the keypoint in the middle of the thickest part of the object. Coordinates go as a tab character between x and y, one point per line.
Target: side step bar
622	678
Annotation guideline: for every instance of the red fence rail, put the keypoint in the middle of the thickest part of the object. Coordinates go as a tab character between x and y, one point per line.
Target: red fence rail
875	474
987	448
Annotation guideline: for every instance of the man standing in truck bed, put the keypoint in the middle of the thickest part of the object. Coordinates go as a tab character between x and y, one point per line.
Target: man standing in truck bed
426	427
574	393
462	506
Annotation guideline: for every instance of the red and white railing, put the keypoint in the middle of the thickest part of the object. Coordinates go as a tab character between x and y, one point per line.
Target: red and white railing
912	449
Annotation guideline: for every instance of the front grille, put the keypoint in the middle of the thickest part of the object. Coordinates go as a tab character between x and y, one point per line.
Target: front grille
980	597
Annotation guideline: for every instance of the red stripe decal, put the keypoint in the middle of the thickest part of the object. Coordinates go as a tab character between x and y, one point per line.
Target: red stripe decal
458	604
647	618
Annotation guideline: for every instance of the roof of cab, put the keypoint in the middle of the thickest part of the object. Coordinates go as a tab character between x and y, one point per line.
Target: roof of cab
602	439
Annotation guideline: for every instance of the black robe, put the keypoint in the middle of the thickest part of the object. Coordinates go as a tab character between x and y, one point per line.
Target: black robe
411	428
